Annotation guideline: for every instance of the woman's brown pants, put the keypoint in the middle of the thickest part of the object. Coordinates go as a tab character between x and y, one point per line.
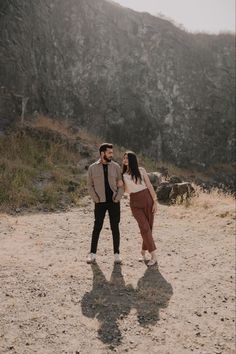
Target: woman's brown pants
141	204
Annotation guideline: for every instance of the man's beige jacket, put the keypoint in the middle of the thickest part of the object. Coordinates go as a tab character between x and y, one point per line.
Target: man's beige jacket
96	182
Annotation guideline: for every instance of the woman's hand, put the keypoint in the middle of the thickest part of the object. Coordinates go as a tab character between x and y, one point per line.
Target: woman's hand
154	207
120	183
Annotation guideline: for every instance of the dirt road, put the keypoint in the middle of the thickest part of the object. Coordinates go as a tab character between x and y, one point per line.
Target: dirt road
51	301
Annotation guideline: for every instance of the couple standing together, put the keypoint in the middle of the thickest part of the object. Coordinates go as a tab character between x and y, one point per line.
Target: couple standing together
106	185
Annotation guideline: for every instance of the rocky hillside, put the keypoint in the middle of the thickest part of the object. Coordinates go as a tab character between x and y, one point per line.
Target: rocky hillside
131	77
43	165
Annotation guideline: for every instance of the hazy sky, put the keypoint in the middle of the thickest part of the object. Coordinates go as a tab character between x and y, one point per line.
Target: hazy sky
194	15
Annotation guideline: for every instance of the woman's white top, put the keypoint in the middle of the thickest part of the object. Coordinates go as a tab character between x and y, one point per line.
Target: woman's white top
131	186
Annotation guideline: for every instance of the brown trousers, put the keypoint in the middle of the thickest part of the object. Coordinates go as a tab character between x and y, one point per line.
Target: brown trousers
141	206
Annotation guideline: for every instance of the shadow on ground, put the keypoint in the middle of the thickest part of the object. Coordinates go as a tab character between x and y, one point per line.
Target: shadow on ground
110	301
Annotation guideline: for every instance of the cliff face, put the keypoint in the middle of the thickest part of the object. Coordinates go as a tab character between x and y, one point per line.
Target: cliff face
136	79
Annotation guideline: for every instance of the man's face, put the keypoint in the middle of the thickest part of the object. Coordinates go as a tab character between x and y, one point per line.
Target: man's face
107	155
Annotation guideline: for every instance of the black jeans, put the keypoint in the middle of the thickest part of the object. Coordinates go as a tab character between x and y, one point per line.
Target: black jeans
114	216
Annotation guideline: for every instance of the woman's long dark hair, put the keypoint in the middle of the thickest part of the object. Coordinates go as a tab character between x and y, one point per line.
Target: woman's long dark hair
133	166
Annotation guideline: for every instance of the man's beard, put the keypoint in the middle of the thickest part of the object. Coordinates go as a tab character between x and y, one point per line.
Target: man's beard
107	159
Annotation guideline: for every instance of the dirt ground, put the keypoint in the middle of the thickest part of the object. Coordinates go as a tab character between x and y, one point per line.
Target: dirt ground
51	301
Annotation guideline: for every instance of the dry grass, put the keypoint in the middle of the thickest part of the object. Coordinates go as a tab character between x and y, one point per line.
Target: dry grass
89	137
58	126
213	203
38	167
207	200
64	128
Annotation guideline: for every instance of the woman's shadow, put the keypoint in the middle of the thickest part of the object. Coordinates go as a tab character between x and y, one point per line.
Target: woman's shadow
153	292
110	301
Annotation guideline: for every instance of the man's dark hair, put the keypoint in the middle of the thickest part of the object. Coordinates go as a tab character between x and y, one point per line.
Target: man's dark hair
105	146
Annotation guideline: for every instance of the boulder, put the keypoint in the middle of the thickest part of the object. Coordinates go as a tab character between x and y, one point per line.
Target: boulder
156	178
184	190
175	179
163	192
170	190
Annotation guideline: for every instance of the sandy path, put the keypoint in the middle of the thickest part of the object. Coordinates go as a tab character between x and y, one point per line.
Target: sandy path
51	301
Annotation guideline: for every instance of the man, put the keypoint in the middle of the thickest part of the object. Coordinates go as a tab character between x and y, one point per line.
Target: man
105	187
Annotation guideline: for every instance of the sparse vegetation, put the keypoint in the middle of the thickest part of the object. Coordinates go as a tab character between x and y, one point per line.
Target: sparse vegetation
216	202
40	166
43	166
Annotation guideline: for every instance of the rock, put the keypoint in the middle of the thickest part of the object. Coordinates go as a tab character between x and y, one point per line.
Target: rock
169	193
175	179
183	189
163	192
156	178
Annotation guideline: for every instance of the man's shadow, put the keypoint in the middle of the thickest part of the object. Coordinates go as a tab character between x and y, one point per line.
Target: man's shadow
110	301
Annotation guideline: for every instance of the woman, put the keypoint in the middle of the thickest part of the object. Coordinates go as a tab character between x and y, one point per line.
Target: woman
143	202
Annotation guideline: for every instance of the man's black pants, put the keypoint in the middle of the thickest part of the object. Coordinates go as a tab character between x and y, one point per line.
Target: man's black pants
114	216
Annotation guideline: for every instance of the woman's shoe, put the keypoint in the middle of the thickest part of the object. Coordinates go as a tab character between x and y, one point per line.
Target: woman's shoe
143	257
152	262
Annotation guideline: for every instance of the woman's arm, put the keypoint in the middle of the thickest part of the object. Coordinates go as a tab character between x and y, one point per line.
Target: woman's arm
150	188
120	186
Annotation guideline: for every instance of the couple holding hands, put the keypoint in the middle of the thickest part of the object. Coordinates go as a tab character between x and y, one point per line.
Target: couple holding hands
106	185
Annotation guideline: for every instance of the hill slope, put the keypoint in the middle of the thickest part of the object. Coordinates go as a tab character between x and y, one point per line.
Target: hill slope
131	77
